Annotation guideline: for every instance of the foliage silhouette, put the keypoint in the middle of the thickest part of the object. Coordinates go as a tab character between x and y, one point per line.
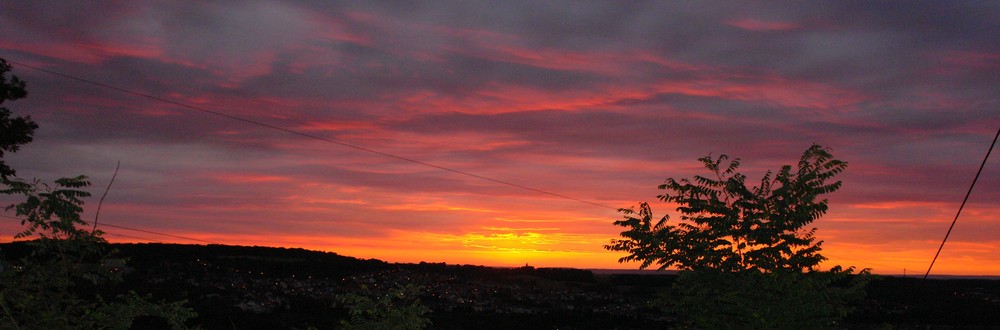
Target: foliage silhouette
52	287
56	285
15	131
398	308
746	256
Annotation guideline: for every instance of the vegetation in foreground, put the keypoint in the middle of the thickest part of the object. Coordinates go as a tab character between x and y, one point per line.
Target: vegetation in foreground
58	285
747	257
278	288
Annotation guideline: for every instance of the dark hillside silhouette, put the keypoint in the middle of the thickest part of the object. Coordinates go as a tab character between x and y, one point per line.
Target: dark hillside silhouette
261	287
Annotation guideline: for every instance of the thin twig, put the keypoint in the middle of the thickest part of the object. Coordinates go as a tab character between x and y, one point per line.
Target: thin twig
98	213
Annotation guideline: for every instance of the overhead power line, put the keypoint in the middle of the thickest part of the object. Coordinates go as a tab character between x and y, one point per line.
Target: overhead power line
158	233
966	199
139	230
310	136
134	237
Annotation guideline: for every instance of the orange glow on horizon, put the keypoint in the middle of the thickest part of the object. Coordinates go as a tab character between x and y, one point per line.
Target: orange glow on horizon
505	248
548	247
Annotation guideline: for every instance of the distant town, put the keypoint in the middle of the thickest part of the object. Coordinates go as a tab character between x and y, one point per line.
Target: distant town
257	287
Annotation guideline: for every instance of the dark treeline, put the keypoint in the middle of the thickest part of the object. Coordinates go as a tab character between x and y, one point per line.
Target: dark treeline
278	288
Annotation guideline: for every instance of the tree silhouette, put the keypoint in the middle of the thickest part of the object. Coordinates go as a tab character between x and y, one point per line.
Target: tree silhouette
54	287
745	253
15	131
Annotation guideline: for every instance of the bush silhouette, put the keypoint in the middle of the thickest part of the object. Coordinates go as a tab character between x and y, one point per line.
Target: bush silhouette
746	255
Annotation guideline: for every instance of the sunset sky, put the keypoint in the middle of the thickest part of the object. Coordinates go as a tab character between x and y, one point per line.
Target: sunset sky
599	101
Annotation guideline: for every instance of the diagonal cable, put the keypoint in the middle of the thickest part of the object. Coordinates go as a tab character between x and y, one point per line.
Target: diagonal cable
310	136
966	199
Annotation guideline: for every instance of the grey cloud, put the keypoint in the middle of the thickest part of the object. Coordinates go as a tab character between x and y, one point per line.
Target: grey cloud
916	134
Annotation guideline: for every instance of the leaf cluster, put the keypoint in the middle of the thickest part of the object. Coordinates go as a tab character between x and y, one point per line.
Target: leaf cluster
727	226
398	308
747	254
14	130
782	299
55	210
51	287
